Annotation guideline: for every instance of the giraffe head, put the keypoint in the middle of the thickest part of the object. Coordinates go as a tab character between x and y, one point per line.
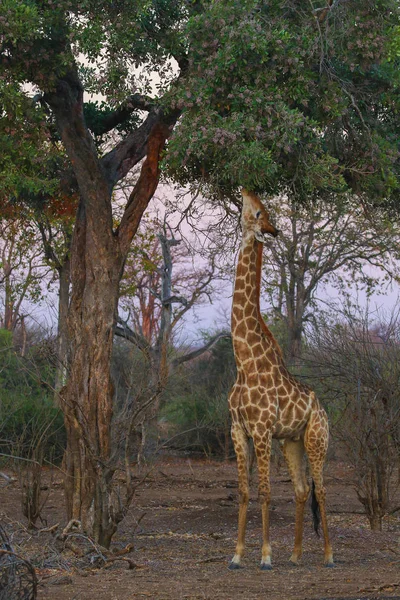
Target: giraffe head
255	218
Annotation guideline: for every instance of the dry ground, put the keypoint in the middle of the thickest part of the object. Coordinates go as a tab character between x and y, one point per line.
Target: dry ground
183	529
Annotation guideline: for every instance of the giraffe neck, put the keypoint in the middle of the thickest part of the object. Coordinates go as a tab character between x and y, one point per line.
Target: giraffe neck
246	313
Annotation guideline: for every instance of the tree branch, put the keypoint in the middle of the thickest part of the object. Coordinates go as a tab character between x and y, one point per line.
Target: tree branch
145	186
123	112
124	331
196	353
132	149
175	300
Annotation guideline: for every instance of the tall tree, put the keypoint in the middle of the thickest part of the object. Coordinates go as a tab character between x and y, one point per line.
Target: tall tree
287	95
39	43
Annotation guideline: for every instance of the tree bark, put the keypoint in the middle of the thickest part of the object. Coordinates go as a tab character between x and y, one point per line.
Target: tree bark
87	398
62	333
295	335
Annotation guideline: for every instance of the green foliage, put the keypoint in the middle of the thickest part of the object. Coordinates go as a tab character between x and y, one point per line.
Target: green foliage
272	96
116	37
24	145
279	99
28	417
393	44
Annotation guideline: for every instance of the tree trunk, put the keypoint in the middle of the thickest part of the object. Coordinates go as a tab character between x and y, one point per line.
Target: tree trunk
62	333
295	335
98	254
294	345
96	267
9	320
375	522
158	357
295	297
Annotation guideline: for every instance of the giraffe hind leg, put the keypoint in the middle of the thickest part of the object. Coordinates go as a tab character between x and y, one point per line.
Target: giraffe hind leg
316	513
293	451
316	445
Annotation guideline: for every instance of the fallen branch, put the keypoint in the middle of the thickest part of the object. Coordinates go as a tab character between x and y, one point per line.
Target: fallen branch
51	529
218	558
17	573
7	478
131	563
72	524
380	588
118	553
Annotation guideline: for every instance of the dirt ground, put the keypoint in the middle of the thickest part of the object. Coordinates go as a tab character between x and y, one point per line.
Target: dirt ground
183	528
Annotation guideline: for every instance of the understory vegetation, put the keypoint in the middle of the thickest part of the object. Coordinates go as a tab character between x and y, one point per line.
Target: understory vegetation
31	426
352	363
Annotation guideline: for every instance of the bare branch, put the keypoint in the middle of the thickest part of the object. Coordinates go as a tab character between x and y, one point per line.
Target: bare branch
196	353
127	333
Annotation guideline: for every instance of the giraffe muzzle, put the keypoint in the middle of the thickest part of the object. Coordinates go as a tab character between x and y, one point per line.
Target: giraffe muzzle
263	236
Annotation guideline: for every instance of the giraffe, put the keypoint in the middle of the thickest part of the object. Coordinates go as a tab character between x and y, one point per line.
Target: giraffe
267	402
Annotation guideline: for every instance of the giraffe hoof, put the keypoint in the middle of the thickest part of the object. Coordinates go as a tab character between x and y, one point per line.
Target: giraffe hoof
330	565
265	567
234	566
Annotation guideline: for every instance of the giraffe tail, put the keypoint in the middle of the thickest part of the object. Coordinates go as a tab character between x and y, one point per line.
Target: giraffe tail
315	510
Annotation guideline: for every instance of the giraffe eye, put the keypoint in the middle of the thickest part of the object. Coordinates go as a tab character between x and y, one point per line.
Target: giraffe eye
258	213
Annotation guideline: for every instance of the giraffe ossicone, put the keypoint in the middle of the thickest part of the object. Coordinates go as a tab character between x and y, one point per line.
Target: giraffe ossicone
267	402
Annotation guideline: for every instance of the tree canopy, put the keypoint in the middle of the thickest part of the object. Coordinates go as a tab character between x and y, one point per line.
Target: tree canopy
269	95
291	95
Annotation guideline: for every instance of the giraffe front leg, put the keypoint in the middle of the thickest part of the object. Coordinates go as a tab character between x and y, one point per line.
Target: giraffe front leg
262	446
241	445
